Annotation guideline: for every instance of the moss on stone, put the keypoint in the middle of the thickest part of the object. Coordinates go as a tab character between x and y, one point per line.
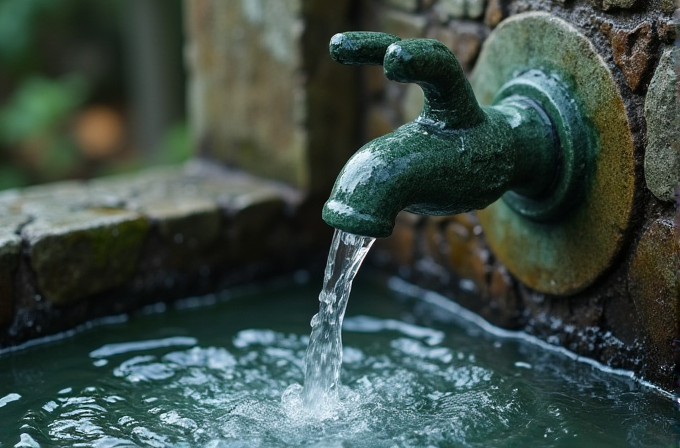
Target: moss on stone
74	263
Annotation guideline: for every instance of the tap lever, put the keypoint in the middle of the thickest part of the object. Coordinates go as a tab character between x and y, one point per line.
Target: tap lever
449	100
361	47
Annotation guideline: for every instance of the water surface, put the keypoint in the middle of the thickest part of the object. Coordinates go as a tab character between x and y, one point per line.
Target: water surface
211	373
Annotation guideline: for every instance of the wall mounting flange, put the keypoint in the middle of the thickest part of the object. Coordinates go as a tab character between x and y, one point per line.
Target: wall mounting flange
565	255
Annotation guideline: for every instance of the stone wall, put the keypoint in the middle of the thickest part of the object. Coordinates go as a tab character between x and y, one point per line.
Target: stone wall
262	90
629	317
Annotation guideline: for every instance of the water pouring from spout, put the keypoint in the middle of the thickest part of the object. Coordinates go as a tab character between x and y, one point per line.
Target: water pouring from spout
324	353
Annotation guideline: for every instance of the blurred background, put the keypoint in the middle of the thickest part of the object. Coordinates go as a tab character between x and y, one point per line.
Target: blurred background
89	87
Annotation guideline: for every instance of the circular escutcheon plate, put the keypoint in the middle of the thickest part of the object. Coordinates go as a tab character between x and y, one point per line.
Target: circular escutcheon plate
567	255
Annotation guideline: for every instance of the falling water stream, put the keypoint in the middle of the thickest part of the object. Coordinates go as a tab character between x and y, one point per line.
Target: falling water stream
324	353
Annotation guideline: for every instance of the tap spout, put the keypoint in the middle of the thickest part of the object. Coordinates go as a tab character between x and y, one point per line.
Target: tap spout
420	169
458	156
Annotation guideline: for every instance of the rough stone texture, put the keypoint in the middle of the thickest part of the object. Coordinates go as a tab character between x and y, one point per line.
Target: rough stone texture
252	228
10	247
662	112
633	50
654	279
475	8
84	253
398	249
404	5
667	31
244	74
464	39
460	9
333	127
11	222
74	251
260	83
462	235
450	8
608	4
495	12
406	26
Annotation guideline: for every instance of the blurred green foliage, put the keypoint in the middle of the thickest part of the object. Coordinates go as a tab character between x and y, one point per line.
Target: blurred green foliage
176	146
17	21
39	107
32	127
42	95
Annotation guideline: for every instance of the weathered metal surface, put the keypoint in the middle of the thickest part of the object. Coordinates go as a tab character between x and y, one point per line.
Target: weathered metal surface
574	150
456	156
568	255
360	48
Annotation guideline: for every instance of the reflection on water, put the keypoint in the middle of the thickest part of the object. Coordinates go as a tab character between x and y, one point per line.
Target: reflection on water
214	377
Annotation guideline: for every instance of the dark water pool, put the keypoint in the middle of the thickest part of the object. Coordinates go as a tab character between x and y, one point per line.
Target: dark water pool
210	372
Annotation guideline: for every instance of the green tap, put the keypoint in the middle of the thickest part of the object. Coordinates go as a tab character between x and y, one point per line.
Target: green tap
458	156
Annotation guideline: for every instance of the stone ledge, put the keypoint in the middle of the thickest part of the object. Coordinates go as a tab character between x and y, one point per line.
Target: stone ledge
73	251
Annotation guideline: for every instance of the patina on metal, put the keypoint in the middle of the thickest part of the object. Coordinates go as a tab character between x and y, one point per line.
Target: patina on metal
457	156
554	143
568	254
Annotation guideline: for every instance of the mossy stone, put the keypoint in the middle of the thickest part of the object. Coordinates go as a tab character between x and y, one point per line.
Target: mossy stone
94	252
10	249
662	112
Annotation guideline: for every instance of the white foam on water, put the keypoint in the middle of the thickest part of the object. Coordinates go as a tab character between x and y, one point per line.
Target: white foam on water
403	385
138	346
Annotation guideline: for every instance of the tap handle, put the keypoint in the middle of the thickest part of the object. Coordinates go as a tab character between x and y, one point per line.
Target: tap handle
449	100
360	47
